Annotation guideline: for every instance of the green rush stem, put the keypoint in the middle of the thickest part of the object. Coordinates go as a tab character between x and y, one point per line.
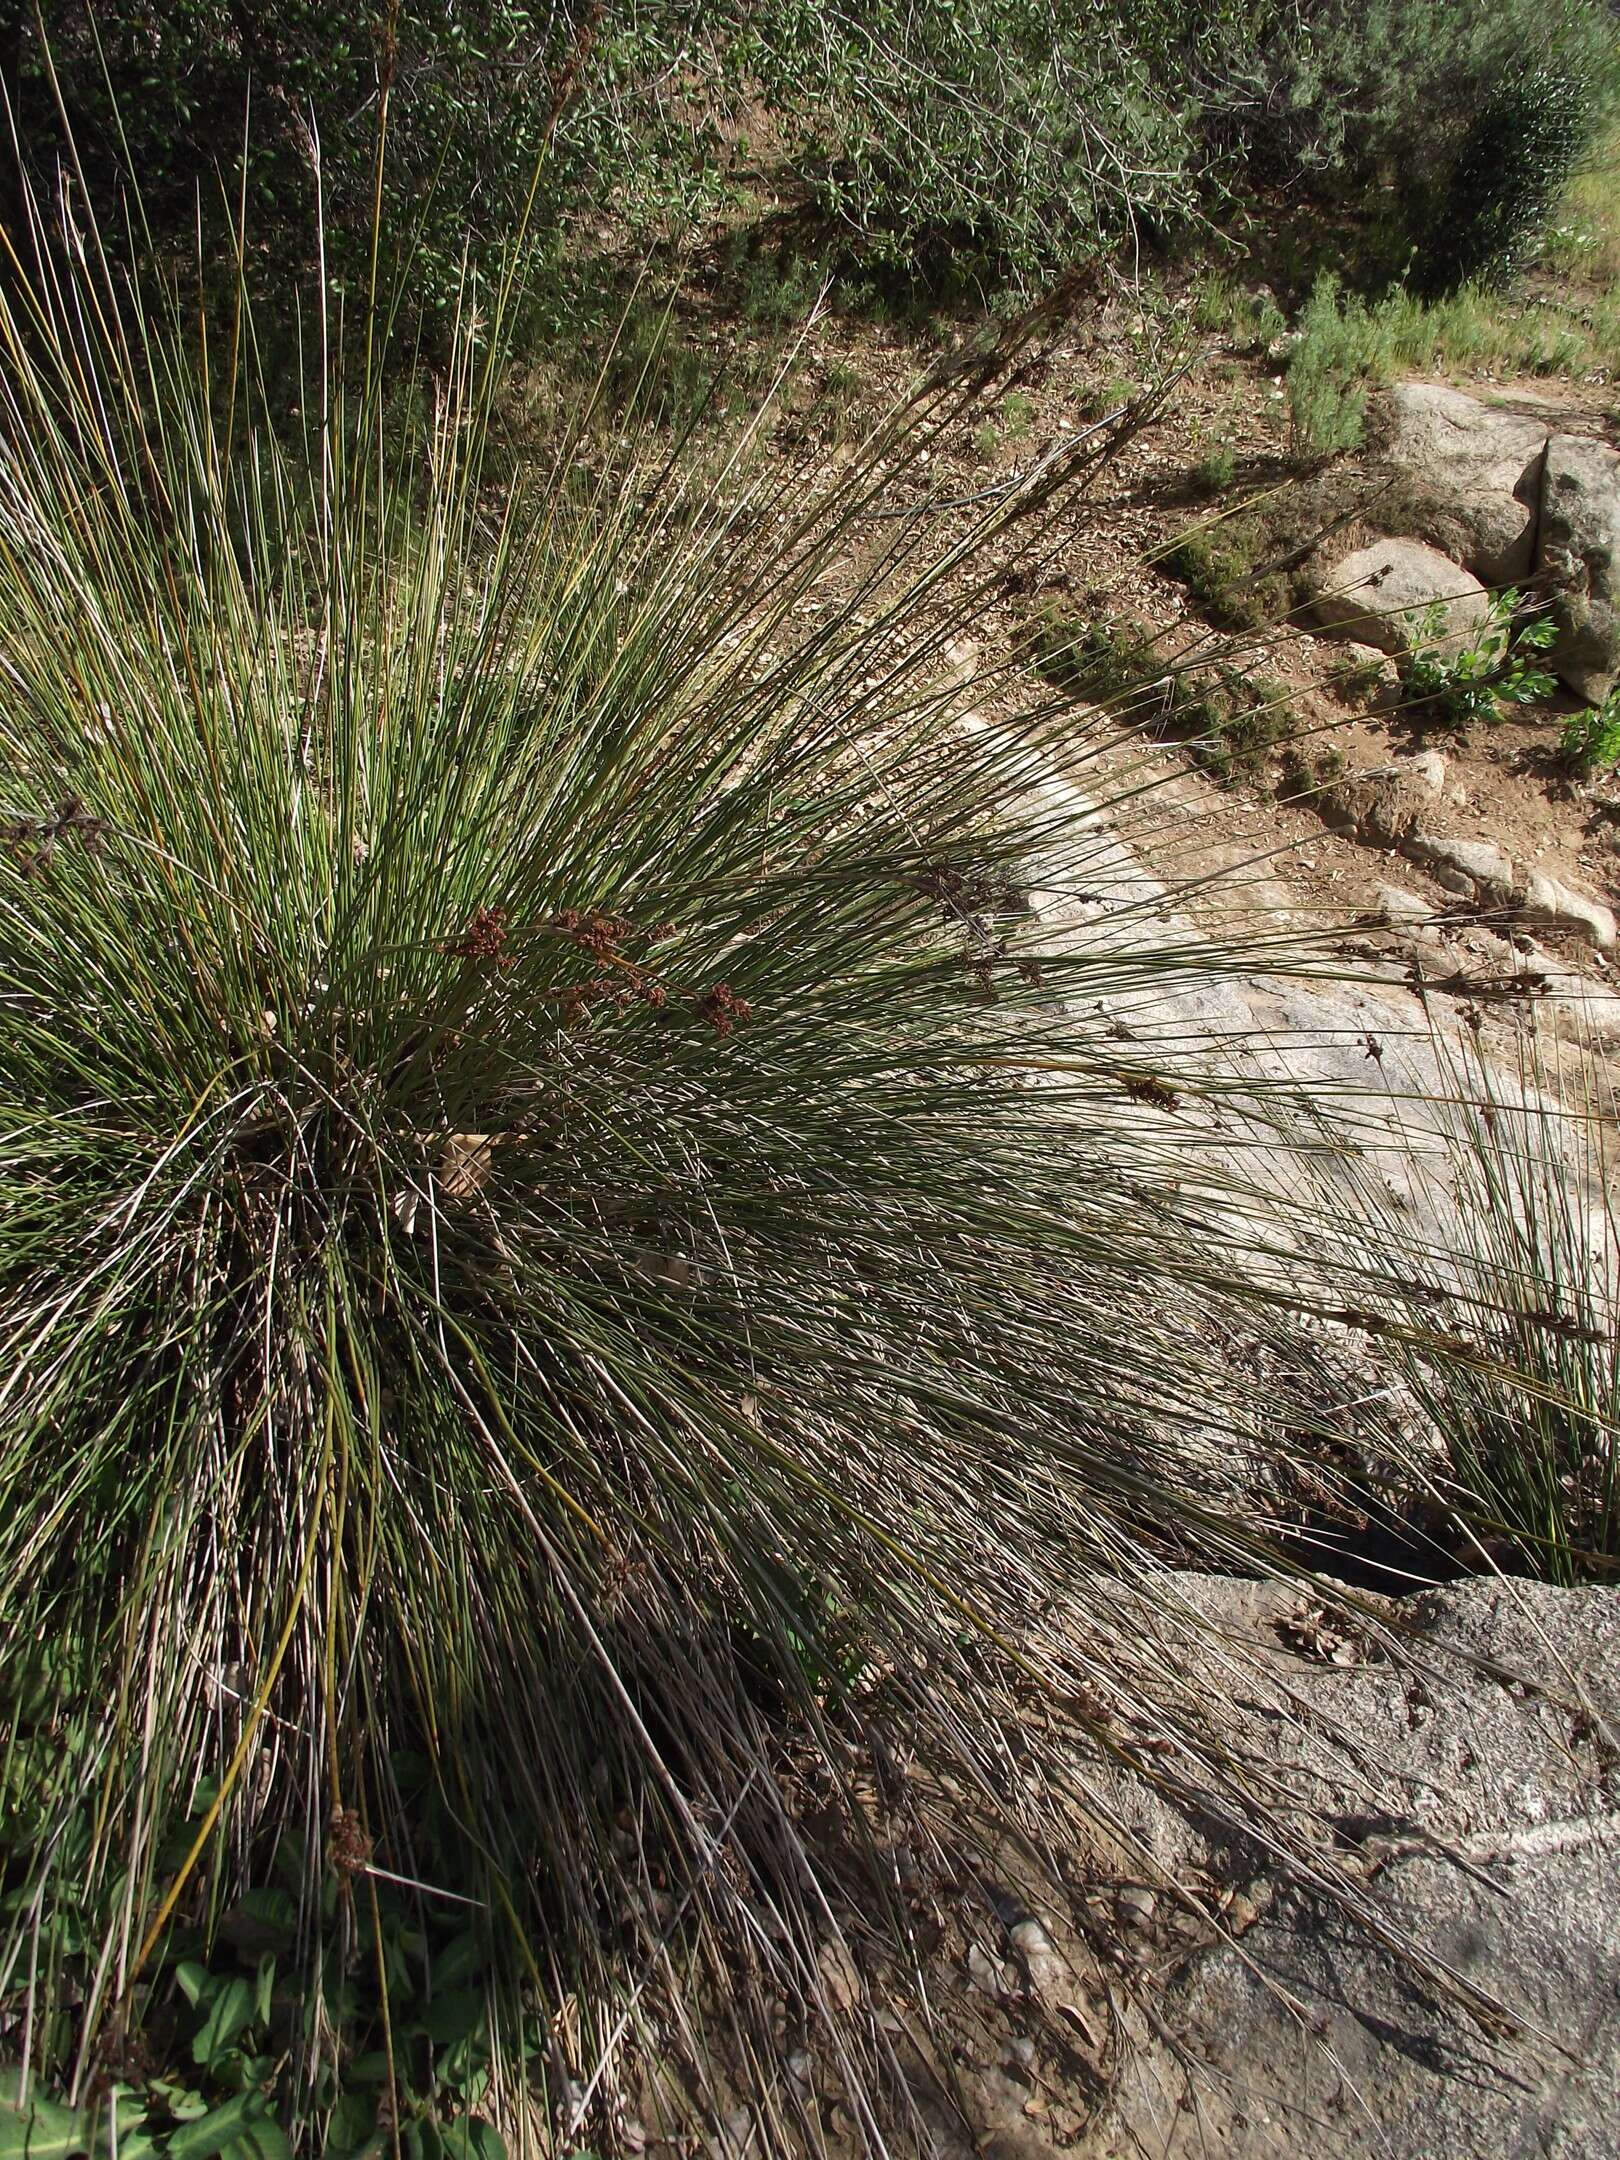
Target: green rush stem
250	1729
387	2019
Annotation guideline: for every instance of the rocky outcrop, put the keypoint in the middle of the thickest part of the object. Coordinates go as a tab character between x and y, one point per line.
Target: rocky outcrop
1485	1811
1403	910
1395	806
1475	471
1480	871
1501	497
1549	901
1579	560
1477	869
1381	595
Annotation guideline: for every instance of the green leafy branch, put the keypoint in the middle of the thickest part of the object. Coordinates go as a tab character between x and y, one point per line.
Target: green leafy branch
1498	668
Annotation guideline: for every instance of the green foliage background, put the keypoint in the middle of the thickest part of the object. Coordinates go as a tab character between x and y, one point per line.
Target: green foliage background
959	140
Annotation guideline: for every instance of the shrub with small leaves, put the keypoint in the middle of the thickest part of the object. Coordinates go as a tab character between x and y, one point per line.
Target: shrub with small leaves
1443	127
1508	172
1224	567
1214	472
1328	373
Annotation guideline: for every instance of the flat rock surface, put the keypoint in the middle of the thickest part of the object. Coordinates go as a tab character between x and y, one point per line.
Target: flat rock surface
1485	1799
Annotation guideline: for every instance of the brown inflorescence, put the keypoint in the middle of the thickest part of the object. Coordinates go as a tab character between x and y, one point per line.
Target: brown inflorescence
724	1010
485	938
36	839
619	979
349	1849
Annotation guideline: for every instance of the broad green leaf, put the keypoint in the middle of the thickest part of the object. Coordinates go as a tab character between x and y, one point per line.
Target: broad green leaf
474	2081
461	1960
270	1911
135	2141
454	2016
241	2126
228	2012
262	2140
239	2072
182	2102
473	2139
40	2129
353	2125
461	2067
264	1987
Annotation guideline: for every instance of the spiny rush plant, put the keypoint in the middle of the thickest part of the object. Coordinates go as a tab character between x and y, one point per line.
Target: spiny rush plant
580	1263
1527	1418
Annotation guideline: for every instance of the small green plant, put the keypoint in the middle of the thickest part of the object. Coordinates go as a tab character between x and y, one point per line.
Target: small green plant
1017	414
1224	567
778	293
1231	720
1328	373
1459	685
1303	774
1214	471
842	381
1250	321
225	2015
1590	742
1105	663
1327	414
1349	347
1111	395
1010	424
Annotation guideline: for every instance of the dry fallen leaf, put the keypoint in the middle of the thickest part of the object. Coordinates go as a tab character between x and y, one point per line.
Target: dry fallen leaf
465	1163
1072	2014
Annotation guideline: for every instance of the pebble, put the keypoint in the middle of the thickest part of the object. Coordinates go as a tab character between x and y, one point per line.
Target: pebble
1136	1905
988	1973
1048	1969
840	1976
1240	1912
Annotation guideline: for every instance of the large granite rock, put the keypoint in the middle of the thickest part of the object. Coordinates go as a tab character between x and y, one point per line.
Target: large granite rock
1476	472
1579	557
1382	594
1484	1796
